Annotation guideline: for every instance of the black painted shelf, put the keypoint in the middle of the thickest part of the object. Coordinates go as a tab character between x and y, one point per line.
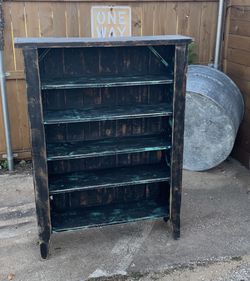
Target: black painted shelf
108	178
108	214
106	113
104	82
105	147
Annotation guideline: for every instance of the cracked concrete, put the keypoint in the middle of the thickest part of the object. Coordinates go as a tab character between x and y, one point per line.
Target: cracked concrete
214	244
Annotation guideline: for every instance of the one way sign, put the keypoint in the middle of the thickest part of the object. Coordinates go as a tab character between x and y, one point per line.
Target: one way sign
110	21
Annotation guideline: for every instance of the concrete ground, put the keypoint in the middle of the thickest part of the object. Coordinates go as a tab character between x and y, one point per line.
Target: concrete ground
214	244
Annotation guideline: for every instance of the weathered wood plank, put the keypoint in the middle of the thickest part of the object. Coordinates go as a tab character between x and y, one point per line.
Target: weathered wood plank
38	148
72	19
103	114
177	136
244	87
239	27
45	19
101	82
111	146
23	114
18	25
32	19
9	50
109	214
239	3
15	75
84	22
108	178
207	32
238	56
56	42
239	12
136	11
13	98
238	70
239	42
59	19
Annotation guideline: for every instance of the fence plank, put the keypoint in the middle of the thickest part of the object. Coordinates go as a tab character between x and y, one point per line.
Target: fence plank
23	114
239	27
18	23
72	20
8	44
239	42
32	19
136	19
240	13
45	19
148	15
60	18
84	20
238	70
238	56
240	3
207	33
14	114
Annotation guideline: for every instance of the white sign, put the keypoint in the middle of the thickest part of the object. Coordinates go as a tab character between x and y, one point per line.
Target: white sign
110	21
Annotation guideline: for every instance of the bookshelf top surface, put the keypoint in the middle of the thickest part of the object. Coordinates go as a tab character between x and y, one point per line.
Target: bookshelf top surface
57	42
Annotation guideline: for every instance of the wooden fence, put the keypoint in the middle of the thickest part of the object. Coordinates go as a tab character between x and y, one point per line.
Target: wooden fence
237	66
34	18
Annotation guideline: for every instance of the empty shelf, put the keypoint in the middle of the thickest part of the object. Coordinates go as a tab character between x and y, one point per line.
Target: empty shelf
105	147
108	214
107	113
100	82
108	178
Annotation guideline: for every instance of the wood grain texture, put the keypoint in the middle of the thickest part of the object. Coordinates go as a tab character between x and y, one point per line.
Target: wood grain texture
239	27
237	66
106	113
38	145
243	3
114	214
105	82
106	154
64	18
239	42
104	147
177	136
108	178
57	42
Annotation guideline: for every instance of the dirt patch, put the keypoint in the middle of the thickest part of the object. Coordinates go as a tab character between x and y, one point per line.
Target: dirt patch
20	167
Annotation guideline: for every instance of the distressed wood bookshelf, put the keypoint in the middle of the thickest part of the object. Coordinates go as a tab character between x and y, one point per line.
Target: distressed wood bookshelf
106	120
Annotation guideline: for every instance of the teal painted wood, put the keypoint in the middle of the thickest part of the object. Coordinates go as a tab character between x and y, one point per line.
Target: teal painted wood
108	178
108	214
105	82
118	94
105	147
106	113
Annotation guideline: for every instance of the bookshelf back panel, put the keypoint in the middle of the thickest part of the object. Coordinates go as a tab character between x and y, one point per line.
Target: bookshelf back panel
60	63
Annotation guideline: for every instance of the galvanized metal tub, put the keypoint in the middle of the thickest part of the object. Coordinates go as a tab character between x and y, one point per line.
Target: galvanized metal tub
214	110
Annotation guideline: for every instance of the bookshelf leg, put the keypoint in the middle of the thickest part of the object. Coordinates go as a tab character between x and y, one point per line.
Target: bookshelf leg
44	249
166	219
176	227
